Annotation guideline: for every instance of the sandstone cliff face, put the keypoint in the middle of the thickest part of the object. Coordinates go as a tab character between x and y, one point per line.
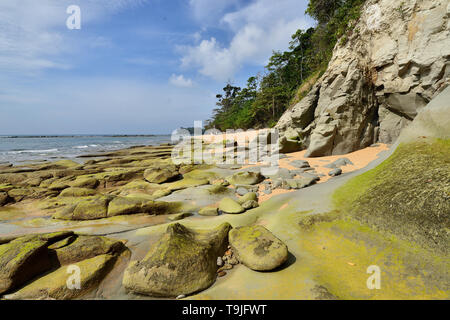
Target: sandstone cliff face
396	60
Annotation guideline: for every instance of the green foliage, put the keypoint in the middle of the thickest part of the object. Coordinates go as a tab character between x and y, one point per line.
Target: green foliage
265	98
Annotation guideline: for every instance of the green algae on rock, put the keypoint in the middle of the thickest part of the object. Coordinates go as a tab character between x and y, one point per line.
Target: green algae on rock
228	205
31	256
257	248
55	284
161	174
86	247
407	195
208	211
182	262
85	182
77	192
250	196
245	178
21	260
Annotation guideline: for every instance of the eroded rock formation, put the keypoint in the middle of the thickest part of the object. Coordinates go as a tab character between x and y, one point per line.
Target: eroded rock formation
395	61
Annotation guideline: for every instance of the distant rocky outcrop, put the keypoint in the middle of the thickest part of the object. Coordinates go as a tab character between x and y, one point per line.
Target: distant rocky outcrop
396	60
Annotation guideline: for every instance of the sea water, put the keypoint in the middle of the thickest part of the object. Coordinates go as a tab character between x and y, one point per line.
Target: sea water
19	149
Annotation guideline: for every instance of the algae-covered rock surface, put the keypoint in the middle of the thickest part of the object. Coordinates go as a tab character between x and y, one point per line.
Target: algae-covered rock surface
182	262
257	248
241	235
408	194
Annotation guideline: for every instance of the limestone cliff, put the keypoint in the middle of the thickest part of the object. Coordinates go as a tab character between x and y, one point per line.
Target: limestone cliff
394	62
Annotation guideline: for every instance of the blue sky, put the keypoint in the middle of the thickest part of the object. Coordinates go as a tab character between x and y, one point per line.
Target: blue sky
136	66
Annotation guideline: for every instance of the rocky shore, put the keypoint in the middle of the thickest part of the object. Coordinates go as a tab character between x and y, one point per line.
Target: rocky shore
113	217
58	214
133	224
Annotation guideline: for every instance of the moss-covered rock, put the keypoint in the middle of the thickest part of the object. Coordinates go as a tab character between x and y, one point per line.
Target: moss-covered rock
245	178
201	174
86	247
59	185
20	193
257	248
124	205
180	216
228	205
95	208
66	164
161	174
161	193
186	183
55	284
77	192
300	183
21	260
250	204
85	182
182	262
86	209
406	195
250	196
208	211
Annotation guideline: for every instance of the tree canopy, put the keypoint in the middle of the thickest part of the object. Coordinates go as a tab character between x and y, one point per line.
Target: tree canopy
266	97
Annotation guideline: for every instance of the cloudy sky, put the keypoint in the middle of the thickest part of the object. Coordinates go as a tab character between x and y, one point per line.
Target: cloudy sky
135	66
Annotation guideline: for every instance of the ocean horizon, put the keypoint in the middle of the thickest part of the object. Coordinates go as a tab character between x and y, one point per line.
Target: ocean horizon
17	149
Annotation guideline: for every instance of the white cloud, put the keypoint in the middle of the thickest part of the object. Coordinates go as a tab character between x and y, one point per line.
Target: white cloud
258	29
33	34
180	81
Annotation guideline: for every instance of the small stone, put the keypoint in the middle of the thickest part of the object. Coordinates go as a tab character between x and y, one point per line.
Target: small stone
241	191
233	261
250	204
299	164
335	172
180	216
228	205
219	262
208	211
221	273
181	296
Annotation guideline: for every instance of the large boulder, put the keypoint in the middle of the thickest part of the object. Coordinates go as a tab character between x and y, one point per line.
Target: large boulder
85	182
24	258
228	205
77	192
245	178
55	284
183	261
95	208
132	205
257	248
81	247
161	174
377	81
87	209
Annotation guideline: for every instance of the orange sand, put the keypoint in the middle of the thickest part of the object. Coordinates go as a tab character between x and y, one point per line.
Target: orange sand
360	159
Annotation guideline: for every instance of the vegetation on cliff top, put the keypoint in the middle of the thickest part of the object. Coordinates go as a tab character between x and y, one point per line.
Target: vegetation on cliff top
266	97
